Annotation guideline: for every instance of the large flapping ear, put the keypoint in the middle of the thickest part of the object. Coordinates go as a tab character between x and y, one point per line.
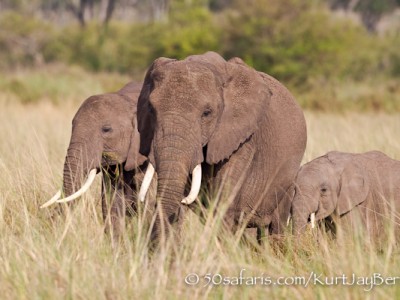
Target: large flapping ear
245	97
131	90
131	93
134	158
144	109
354	187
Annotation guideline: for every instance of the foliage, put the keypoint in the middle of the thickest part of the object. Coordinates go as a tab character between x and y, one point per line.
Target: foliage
299	43
22	40
191	29
53	84
115	48
371	11
131	48
302	43
373	94
392	49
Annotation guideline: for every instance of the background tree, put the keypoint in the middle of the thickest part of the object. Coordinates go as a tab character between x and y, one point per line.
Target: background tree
371	11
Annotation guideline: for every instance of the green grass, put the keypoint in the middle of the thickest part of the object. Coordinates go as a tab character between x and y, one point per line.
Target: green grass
43	256
56	84
369	95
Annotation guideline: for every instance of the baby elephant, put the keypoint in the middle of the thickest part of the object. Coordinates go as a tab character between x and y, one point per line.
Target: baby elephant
353	190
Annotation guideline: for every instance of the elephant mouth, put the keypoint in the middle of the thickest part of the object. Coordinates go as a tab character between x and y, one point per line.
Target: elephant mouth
110	159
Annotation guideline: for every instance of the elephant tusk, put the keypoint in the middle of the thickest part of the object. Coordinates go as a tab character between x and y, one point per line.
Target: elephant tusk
83	189
148	176
195	188
52	200
288	220
312	217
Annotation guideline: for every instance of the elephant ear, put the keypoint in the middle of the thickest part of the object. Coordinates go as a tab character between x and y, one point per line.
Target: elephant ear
354	189
245	97
134	158
144	109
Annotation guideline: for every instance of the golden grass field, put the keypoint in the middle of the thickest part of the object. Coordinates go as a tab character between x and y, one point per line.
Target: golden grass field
71	258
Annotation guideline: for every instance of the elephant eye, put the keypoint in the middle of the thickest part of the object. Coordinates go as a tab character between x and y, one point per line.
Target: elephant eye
324	190
207	112
106	129
150	109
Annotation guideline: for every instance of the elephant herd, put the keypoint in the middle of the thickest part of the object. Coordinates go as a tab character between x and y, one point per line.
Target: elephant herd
241	136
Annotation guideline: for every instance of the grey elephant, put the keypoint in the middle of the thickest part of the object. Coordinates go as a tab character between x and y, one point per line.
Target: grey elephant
105	139
240	126
350	190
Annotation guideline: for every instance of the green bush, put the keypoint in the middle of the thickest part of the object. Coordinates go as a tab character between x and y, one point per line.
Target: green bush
191	29
57	84
328	62
393	50
22	39
118	47
297	40
130	48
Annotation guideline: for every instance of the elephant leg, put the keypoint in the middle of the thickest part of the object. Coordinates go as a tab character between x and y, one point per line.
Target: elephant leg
113	209
256	234
117	196
261	234
228	185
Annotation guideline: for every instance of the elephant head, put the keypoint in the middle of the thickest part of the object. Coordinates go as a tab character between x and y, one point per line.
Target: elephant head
330	185
104	133
200	109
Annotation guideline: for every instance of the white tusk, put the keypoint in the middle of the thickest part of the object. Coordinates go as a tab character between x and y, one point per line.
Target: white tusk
312	217
52	200
148	176
196	183
82	190
288	220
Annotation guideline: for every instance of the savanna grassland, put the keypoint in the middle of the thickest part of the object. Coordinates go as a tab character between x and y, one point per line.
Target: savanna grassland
44	256
345	75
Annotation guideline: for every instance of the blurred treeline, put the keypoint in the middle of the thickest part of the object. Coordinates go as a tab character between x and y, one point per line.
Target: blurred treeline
334	55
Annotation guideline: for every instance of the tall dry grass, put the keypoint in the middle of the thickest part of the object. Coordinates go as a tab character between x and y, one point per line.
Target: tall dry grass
43	256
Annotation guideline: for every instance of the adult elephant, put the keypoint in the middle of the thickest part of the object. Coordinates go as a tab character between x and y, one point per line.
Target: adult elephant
357	191
105	138
244	125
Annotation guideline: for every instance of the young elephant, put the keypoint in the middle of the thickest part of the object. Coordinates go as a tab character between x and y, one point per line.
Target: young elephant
105	138
347	189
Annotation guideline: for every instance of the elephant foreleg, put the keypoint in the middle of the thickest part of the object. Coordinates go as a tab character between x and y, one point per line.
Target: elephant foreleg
229	185
114	204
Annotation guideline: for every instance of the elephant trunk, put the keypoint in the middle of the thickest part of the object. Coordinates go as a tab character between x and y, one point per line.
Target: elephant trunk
300	220
72	170
300	213
78	162
171	187
175	159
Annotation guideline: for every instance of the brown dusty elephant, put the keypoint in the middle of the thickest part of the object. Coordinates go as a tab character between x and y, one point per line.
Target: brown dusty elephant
353	190
207	113
105	138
